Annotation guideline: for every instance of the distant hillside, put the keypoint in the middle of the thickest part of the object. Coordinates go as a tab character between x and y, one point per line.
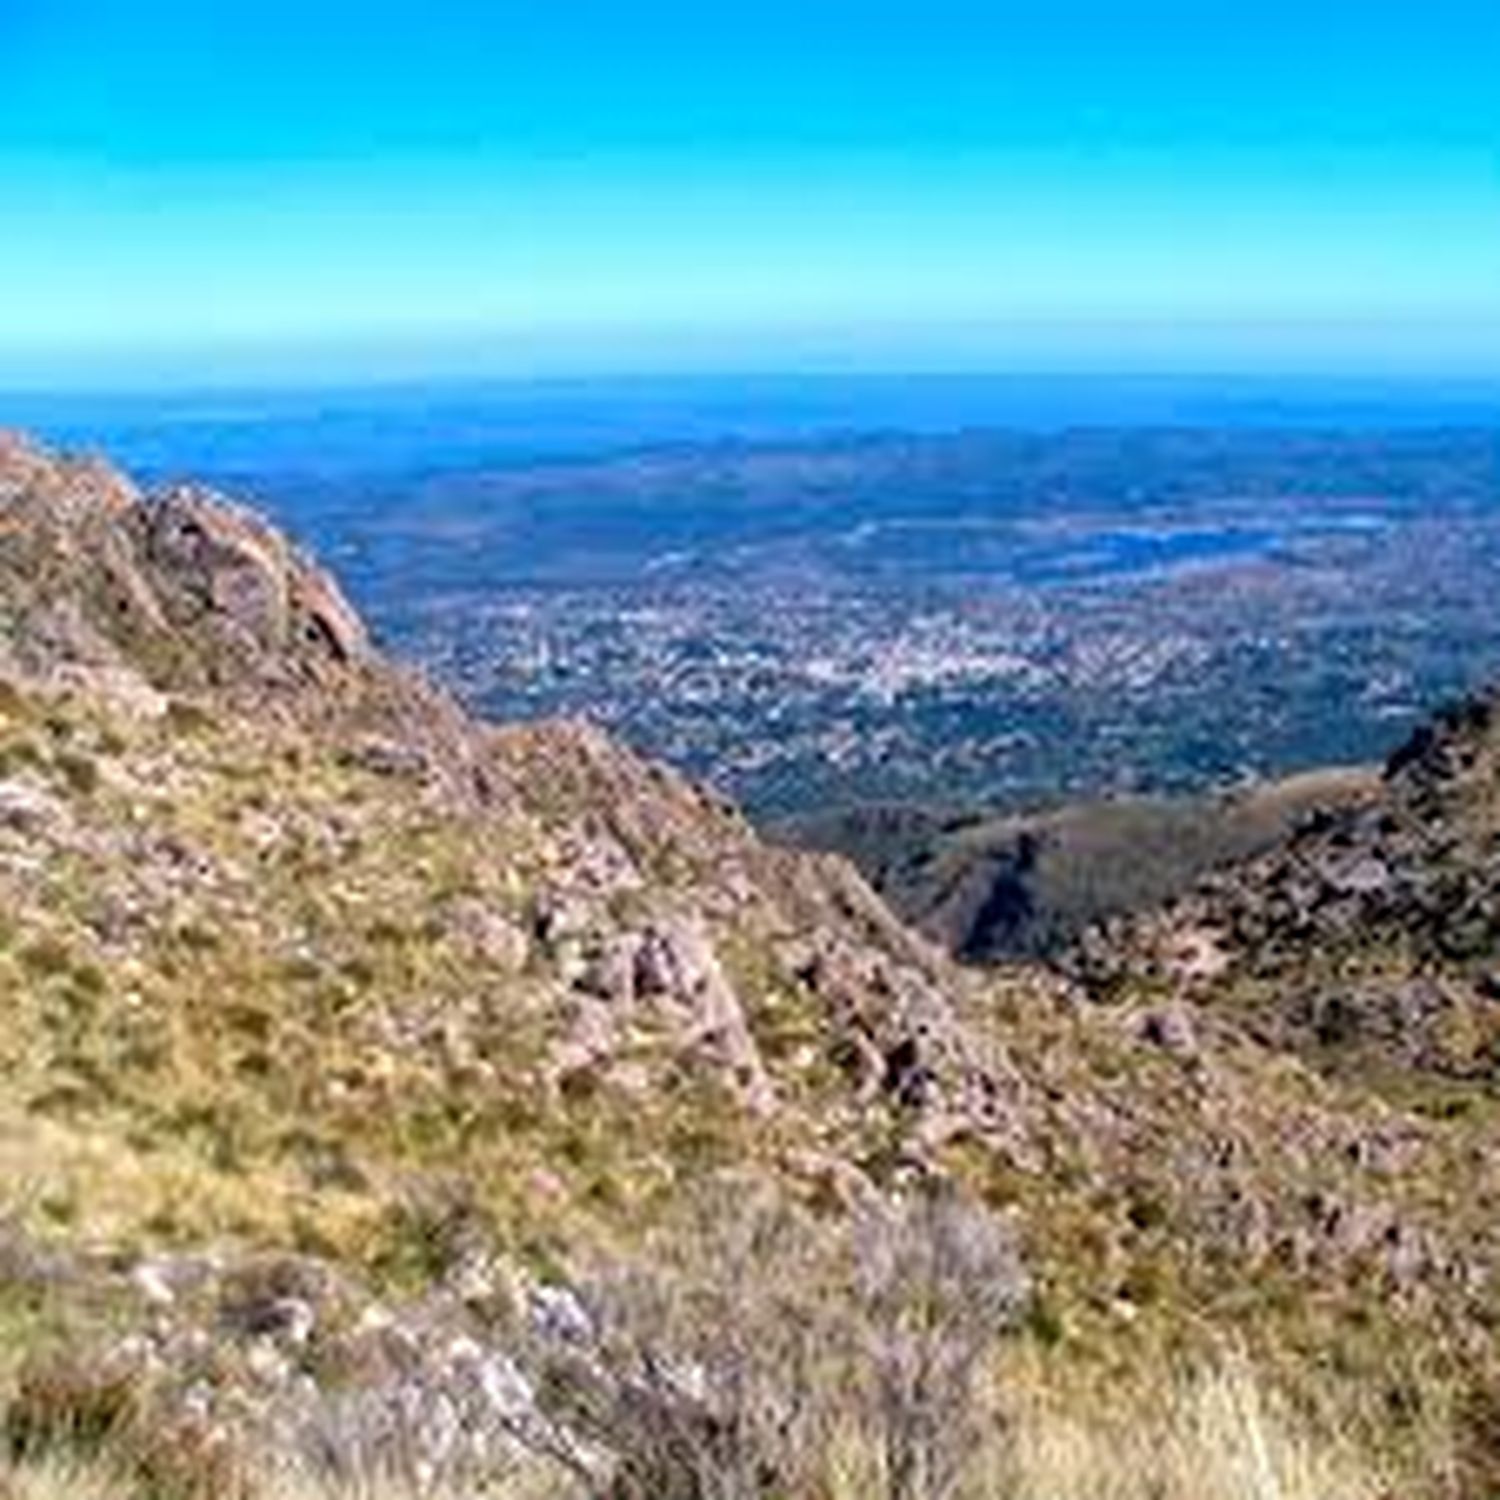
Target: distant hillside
996	888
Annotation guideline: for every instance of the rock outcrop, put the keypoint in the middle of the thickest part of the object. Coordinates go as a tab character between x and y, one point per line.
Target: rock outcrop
220	570
183	587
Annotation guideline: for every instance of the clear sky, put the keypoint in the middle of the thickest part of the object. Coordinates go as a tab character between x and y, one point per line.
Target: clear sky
193	187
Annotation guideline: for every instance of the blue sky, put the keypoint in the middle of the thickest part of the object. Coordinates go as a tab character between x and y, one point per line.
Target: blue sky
273	188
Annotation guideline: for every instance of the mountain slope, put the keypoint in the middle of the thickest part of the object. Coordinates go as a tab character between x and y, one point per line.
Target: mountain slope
290	944
297	852
1370	941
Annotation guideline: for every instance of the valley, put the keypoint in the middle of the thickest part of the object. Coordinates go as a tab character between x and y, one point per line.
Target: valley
993	618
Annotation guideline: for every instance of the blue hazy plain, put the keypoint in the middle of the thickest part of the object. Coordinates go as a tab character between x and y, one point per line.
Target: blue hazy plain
327	193
259	435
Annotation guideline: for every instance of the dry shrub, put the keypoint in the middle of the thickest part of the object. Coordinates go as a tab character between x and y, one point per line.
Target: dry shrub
735	1358
936	1282
766	1356
695	1372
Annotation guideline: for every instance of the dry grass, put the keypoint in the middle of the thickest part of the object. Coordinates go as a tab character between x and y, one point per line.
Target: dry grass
1218	1434
77	1481
320	973
59	1481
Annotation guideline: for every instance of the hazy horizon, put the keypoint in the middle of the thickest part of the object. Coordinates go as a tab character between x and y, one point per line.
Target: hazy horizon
372	428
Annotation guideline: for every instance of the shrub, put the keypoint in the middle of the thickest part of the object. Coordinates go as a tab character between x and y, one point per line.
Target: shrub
737	1355
703	1369
937	1281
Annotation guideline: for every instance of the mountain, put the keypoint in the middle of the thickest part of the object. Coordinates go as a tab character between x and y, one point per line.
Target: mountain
332	1012
235	761
988	888
1367	942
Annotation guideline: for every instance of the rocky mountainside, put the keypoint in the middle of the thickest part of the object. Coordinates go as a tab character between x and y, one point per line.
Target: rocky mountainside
227	741
305	971
1369	942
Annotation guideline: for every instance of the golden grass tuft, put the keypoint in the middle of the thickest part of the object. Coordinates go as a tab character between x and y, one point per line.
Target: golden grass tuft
1218	1433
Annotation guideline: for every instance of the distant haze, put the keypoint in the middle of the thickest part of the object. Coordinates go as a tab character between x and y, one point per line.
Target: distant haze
370	431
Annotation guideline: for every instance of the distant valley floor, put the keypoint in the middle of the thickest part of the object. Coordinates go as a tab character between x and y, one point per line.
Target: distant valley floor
991	619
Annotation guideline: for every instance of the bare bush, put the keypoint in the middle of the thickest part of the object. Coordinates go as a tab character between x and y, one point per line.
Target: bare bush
936	1281
727	1363
701	1371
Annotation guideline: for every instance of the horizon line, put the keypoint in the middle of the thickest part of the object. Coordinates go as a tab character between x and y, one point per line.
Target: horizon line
583	380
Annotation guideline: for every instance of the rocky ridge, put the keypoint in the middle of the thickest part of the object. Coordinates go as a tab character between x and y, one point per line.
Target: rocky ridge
162	632
1369	941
